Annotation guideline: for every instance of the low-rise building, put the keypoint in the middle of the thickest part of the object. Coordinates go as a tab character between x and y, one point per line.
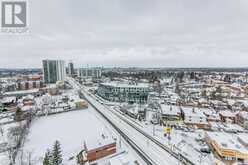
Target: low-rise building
23	93
204	103
124	92
133	110
26	85
9	101
227	146
103	147
153	112
80	104
28	100
170	114
242	119
243	139
218	105
194	117
212	115
228	116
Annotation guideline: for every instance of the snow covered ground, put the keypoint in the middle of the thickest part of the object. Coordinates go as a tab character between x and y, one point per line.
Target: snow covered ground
4	158
9	137
184	141
153	152
158	155
71	129
187	143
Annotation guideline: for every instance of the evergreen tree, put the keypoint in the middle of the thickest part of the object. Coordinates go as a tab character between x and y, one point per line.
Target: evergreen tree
227	78
180	76
18	114
47	158
219	93
177	89
204	94
56	154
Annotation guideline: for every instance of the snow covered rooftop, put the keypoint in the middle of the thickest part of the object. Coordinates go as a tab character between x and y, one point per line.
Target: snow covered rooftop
27	108
23	92
120	160
190	111
227	141
28	97
8	99
126	85
101	139
228	113
244	114
243	138
170	110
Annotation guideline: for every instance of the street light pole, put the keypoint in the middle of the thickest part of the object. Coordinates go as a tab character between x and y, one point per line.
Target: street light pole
120	140
153	130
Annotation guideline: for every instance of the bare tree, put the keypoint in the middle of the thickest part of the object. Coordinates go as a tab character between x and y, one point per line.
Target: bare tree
10	153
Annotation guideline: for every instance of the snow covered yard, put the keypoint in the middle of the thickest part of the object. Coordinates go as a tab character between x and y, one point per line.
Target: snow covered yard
71	129
4	160
10	135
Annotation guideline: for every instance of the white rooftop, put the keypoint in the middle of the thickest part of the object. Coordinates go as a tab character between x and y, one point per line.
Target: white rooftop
228	113
8	99
101	139
243	137
126	85
170	110
190	111
22	92
227	141
244	114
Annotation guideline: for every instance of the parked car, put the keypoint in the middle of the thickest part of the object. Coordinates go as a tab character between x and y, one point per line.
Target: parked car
205	150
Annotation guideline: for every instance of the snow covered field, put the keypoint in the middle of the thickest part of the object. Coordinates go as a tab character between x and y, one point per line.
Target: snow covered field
71	129
4	158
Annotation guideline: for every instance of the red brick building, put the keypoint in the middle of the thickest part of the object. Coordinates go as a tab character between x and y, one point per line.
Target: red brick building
97	151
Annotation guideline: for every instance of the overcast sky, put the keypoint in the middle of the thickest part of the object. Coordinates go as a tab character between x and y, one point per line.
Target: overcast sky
149	33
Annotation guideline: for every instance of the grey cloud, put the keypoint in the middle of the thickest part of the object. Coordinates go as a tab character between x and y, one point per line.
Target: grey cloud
178	33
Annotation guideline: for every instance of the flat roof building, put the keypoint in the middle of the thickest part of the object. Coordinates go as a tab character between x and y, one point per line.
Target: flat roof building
170	114
228	146
89	72
53	70
195	117
124	92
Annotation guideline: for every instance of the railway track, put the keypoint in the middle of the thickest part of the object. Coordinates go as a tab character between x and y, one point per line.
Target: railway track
137	149
178	156
181	158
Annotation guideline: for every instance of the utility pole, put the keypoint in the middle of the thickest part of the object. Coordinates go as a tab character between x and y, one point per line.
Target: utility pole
29	158
179	157
120	141
153	130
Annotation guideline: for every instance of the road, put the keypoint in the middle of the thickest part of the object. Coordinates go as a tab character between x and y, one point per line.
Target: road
149	149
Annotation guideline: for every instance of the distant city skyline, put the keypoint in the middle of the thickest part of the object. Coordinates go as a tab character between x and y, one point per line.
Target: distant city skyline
132	33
